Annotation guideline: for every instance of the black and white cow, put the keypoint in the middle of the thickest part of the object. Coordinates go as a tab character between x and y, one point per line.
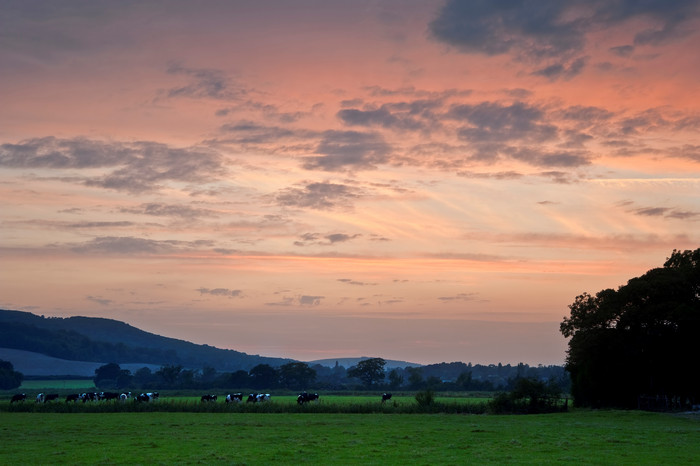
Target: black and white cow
386	397
234	397
147	397
108	396
124	396
207	398
18	397
50	397
258	397
74	397
89	396
307	397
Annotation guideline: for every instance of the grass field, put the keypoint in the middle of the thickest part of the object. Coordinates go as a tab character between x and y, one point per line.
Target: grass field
577	437
42	385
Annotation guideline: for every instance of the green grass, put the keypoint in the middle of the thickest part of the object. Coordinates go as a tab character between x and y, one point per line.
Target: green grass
42	385
578	437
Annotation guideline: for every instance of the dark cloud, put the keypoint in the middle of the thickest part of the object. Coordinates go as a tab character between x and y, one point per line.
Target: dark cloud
355	282
100	224
249	132
321	196
541	29
130	245
132	167
459	297
308	239
203	83
666	212
349	150
496	122
508	175
225	292
562	70
169	210
303	300
100	301
622	50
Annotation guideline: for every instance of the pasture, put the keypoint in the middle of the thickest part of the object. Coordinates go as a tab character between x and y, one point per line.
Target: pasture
576	437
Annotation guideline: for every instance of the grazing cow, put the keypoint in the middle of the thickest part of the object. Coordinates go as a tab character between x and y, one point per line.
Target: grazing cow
73	397
18	397
125	396
90	396
386	397
307	397
207	398
260	397
40	398
234	398
150	396
108	396
252	398
50	397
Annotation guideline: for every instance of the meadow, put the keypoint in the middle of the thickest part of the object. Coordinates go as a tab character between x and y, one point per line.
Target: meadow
576	437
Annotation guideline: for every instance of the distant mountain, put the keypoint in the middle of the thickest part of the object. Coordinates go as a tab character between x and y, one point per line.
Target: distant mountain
91	339
349	362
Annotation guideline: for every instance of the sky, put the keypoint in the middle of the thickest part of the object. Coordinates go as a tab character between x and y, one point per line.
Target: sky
426	181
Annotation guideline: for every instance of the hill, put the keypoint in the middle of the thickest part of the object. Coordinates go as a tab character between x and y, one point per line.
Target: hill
99	340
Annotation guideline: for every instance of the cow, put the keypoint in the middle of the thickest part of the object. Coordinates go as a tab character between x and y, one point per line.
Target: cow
50	397
386	397
89	396
108	396
207	398
258	397
18	397
40	398
234	397
307	397
74	397
150	396
125	396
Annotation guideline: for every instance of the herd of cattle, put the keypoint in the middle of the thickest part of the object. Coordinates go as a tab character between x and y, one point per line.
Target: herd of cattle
152	396
88	396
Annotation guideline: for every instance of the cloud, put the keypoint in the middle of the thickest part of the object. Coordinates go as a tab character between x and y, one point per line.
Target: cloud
220	292
666	212
204	83
302	300
459	297
308	239
497	122
349	150
131	245
355	282
100	301
169	210
543	29
133	167
320	196
562	70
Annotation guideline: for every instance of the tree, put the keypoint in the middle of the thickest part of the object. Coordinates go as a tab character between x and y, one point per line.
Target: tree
395	379
296	375
9	377
369	371
111	376
264	376
635	342
169	375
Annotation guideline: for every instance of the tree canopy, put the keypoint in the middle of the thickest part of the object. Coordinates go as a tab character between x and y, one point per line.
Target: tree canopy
638	341
9	377
370	371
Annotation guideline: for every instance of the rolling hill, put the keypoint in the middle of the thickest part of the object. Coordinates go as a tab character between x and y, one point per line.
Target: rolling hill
99	340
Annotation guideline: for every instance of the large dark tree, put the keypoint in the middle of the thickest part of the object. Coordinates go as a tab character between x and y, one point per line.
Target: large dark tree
370	371
638	342
296	375
9	377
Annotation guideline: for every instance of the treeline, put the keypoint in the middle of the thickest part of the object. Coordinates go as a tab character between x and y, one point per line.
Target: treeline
301	376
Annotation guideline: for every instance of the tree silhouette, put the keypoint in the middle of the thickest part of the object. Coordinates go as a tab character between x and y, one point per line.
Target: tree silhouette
635	342
369	371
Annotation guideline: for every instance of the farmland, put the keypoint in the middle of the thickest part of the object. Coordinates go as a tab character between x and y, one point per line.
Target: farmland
288	435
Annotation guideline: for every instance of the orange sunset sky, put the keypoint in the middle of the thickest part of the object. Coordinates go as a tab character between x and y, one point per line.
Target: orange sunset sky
414	180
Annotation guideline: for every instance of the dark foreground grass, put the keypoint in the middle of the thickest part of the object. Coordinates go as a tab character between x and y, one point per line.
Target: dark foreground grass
579	437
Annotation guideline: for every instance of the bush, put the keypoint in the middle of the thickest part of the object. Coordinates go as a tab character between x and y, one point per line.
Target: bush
425	398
